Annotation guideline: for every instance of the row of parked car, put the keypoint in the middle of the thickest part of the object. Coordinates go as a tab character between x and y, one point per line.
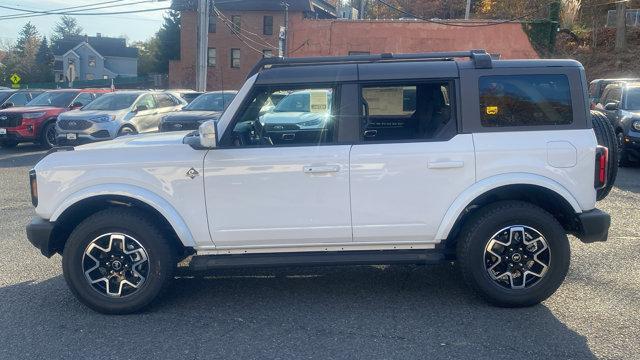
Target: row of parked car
619	101
75	116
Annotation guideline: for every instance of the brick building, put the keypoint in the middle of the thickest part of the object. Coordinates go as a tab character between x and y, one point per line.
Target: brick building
248	30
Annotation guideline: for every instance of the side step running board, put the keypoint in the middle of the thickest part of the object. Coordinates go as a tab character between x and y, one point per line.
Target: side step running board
208	262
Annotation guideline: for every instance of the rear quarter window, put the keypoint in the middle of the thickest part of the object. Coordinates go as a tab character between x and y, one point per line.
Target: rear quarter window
525	100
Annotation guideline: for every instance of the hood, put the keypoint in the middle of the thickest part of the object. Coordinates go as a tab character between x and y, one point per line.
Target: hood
88	114
25	109
291	117
135	141
192	115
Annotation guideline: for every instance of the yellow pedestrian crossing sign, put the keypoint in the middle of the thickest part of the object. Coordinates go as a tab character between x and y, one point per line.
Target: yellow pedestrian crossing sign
15	80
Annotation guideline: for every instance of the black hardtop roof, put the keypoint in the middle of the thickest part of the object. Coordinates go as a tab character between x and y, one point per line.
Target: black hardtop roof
396	66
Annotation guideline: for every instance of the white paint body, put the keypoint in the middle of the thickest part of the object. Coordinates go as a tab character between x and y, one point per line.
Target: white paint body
314	198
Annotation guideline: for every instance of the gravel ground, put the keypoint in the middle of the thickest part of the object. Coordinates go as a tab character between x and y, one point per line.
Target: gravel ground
398	312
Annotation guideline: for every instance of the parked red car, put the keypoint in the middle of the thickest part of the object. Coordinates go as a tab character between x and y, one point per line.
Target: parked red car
35	122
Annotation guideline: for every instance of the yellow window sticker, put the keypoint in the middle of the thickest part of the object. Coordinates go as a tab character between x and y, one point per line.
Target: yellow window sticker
319	101
492	110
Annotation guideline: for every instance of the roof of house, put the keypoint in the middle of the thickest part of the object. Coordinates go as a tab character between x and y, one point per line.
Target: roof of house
106	46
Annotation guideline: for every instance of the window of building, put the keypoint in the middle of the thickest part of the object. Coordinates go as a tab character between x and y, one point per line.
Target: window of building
525	100
235	58
267	53
267	25
71	61
406	112
213	21
211	57
301	117
92	61
235	20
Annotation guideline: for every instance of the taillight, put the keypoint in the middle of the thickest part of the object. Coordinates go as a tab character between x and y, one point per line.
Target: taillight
34	187
602	160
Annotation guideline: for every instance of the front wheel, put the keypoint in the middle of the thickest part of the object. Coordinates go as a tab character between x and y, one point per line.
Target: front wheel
117	262
48	135
513	254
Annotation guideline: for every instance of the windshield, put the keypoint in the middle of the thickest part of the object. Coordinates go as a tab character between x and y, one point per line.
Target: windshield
61	99
113	101
210	102
633	99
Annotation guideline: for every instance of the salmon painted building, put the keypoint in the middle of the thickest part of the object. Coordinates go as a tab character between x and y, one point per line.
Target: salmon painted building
244	31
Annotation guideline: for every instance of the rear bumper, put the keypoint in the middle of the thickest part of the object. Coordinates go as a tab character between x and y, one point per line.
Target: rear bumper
39	234
593	226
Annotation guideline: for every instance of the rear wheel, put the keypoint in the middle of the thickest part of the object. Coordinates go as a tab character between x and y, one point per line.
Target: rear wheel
117	262
48	135
606	137
513	253
8	144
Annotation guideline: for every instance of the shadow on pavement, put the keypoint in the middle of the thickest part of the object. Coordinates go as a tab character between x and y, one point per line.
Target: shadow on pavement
23	155
330	313
627	179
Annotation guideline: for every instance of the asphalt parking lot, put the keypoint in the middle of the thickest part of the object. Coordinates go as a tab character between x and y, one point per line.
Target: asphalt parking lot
398	312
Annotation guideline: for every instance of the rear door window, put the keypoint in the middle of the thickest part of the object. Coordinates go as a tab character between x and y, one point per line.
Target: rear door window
525	100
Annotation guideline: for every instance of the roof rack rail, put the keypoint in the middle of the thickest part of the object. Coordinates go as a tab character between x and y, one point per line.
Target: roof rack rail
481	59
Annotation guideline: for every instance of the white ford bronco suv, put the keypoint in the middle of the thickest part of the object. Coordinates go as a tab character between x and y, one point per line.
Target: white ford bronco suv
371	159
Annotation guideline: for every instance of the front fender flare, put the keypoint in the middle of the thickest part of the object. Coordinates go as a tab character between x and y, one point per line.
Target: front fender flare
494	182
135	192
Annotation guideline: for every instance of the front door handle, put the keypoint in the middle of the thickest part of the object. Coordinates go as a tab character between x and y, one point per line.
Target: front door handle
445	164
320	169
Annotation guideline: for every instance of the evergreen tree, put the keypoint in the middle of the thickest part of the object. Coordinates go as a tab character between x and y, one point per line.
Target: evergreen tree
65	28
44	62
168	38
26	49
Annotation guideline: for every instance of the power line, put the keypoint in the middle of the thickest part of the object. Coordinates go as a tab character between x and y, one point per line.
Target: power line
85	14
227	21
59	12
238	32
83	7
464	25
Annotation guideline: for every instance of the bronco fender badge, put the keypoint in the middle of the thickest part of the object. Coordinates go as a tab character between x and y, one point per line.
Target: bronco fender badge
192	173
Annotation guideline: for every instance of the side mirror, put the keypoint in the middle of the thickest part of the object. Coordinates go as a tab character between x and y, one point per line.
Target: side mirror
76	105
141	107
611	106
207	133
8	104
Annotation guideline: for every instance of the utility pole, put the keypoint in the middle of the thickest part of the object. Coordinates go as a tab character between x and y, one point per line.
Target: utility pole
467	11
621	26
202	44
285	33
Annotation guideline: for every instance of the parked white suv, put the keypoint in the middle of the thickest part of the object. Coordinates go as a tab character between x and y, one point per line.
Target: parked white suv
422	158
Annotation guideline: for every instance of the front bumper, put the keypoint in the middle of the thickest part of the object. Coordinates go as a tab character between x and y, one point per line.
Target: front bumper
593	226
97	132
39	233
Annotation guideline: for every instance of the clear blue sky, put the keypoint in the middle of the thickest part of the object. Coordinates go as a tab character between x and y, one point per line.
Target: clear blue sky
135	27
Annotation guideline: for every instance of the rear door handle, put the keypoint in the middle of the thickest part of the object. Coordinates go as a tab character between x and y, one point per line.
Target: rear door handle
445	164
320	169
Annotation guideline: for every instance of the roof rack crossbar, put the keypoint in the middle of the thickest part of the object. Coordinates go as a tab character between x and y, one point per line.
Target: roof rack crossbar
480	58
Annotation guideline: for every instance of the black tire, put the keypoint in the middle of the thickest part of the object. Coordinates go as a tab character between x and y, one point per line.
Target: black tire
8	144
623	156
606	136
127	130
48	135
489	221
161	261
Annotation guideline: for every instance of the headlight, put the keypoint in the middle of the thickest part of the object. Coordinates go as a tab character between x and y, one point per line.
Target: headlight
636	125
102	118
33	115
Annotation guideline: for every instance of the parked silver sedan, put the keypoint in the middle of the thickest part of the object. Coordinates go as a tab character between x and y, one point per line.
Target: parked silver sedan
116	114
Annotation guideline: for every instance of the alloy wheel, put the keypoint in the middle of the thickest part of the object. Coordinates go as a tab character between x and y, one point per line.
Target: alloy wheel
517	257
115	264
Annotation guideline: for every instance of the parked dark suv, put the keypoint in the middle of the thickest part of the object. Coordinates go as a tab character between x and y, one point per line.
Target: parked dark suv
621	103
597	87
